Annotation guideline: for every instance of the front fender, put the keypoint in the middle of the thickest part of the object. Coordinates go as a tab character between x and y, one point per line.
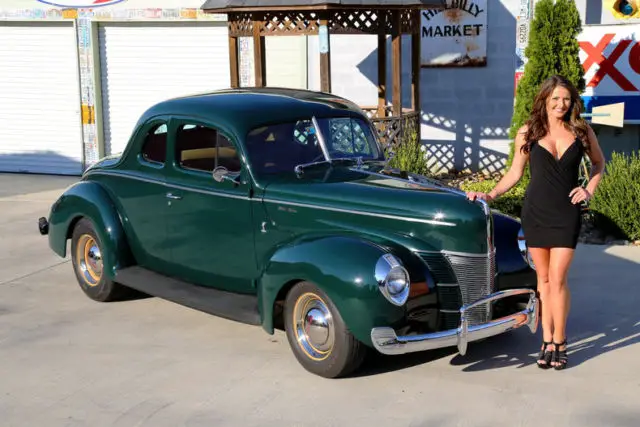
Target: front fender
508	256
343	267
513	271
89	200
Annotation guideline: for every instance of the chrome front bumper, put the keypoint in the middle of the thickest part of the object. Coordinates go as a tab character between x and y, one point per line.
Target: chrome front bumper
386	341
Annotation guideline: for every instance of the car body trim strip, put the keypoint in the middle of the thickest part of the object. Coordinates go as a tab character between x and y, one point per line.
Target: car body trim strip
275	201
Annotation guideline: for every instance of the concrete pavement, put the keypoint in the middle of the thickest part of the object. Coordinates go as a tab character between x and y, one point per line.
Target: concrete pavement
68	361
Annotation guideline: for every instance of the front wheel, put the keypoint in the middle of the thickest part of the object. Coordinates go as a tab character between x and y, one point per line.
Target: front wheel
86	257
317	334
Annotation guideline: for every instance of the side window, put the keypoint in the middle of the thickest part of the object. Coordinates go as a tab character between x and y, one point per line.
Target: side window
203	148
154	148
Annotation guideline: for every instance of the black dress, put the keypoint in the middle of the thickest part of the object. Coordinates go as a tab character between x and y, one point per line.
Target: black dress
549	219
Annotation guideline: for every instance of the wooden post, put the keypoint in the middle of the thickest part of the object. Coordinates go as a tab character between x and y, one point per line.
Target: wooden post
233	62
396	63
382	67
259	57
325	58
415	61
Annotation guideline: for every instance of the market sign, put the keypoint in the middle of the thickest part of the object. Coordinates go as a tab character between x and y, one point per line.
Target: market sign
610	56
455	36
73	4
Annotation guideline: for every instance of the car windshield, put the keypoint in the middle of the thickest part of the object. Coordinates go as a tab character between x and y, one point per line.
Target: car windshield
281	147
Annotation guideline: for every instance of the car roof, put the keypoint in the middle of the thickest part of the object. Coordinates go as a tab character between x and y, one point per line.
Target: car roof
244	109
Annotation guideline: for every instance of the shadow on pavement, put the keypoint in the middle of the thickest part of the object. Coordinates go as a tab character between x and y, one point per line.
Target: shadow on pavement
603	317
604	295
14	184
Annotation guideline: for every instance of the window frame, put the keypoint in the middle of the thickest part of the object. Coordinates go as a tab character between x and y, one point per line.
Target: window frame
142	138
176	124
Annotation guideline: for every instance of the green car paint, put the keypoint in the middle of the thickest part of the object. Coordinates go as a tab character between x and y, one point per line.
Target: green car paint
343	267
258	234
88	199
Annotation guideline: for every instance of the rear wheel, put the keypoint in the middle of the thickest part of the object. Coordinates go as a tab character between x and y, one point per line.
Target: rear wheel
87	260
317	334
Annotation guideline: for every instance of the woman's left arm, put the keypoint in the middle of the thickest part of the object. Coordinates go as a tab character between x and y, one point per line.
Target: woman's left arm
580	194
597	162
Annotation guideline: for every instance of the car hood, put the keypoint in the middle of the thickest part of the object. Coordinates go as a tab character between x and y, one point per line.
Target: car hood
410	206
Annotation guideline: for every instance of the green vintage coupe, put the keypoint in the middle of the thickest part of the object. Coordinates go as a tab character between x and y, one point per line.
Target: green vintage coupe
275	207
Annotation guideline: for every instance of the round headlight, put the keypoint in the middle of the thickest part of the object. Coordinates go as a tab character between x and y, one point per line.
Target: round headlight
393	279
524	251
397	281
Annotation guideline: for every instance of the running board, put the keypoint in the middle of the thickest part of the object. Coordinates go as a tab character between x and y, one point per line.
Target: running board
238	307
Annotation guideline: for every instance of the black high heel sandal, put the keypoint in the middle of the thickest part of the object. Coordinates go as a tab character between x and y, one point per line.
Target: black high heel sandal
545	356
560	357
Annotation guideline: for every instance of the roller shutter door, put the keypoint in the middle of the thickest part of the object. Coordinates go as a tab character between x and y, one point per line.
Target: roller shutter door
40	122
144	63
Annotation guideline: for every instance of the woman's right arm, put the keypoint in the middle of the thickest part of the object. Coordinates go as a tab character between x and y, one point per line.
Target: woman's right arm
513	175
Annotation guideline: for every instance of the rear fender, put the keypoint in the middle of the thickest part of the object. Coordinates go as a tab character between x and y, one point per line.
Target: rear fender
343	267
89	200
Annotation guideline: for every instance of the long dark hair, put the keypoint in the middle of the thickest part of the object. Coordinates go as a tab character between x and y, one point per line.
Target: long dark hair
538	123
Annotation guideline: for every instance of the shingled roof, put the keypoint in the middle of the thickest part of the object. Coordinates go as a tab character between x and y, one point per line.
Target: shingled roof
214	5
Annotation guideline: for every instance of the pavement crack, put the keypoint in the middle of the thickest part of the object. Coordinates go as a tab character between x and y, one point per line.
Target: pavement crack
24	276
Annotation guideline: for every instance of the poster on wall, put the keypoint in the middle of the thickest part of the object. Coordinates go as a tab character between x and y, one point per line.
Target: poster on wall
455	36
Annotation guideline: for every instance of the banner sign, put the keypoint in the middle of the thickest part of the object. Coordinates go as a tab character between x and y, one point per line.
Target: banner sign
455	36
522	38
610	55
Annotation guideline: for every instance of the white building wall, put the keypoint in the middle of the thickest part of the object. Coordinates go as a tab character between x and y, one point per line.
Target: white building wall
467	111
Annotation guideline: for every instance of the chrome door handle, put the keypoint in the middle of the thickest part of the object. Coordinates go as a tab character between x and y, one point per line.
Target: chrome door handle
173	196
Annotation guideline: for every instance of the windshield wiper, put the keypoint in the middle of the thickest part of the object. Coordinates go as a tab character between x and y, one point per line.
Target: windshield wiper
358	160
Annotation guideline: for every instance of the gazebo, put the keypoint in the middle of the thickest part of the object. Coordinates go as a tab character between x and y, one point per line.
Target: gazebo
261	18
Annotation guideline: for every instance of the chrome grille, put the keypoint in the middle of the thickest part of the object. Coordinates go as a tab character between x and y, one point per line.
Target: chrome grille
449	298
439	267
476	278
462	279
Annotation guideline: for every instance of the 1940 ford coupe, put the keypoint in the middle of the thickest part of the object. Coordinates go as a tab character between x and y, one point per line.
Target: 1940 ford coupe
276	207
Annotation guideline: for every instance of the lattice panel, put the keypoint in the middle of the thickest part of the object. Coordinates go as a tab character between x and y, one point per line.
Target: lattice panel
240	24
355	21
286	23
392	129
407	21
343	21
440	157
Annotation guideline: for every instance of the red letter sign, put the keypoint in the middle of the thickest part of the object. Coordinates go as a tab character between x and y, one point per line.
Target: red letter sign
607	65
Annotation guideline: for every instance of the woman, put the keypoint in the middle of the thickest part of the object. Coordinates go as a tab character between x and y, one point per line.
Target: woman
553	141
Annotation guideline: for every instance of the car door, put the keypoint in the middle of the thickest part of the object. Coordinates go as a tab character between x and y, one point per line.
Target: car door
209	222
142	195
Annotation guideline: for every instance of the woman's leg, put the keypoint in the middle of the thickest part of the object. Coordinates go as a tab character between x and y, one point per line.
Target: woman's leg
541	258
560	297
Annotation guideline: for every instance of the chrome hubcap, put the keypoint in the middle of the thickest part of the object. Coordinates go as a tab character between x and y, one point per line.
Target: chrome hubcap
314	329
89	260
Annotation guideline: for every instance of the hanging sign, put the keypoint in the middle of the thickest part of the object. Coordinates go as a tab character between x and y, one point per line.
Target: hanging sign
323	36
455	36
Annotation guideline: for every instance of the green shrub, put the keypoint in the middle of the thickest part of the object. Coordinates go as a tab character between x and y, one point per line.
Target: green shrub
553	48
410	155
615	208
509	203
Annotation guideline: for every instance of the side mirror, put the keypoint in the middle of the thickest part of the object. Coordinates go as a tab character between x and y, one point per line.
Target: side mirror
222	174
219	173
